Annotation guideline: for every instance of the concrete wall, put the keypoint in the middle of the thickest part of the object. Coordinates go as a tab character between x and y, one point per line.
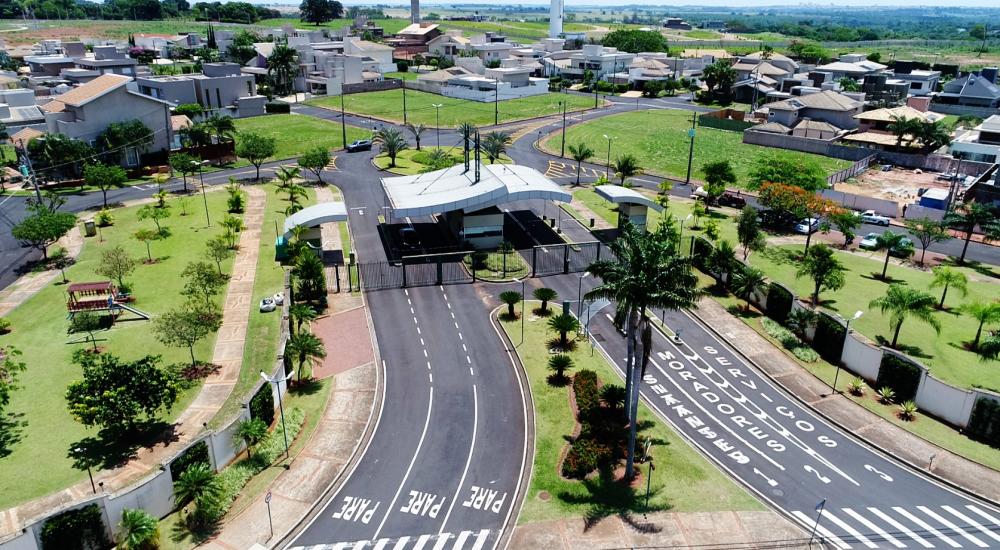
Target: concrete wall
506	91
862	203
981	112
917	211
860	357
806	145
951	404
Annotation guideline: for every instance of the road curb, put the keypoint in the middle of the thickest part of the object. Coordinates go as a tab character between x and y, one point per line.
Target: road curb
847	431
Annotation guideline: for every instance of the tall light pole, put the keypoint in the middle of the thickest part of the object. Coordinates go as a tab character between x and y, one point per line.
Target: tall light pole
579	296
343	118
437	121
609	138
522	309
201	179
680	234
694	122
562	147
847	332
277	383
90	473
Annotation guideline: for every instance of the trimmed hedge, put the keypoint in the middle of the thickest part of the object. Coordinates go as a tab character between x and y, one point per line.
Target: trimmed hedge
585	455
588	398
984	423
829	338
900	375
779	302
701	253
80	529
262	405
277	108
197	453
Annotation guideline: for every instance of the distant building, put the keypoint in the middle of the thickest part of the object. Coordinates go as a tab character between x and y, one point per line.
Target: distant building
676	23
413	39
18	109
221	86
497	84
714	25
972	90
449	45
826	106
981	144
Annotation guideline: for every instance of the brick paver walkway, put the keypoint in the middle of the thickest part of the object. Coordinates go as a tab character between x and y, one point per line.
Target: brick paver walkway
29	284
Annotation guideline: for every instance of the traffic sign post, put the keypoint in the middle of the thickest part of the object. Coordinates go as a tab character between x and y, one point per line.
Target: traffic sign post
270	524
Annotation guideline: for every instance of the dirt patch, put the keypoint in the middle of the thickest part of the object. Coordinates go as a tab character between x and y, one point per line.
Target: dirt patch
898	184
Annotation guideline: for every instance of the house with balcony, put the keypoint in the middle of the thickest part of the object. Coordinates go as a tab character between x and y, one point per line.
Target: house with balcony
496	84
220	87
825	106
981	144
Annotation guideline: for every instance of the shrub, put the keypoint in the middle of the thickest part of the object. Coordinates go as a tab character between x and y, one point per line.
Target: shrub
829	338
4	325
907	411
984	423
585	389
856	387
403	66
885	395
899	374
80	529
585	455
262	404
789	340
779	302
277	108
805	354
701	252
104	218
195	454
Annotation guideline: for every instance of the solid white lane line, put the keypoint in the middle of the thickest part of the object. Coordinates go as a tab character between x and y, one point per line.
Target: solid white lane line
926	526
401	543
442	540
468	459
823	531
900	527
413	460
481	539
873	528
937	517
460	541
766	398
846	527
421	542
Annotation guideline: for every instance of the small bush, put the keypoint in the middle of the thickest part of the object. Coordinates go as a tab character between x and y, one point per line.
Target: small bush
789	340
899	374
104	218
403	66
907	411
779	302
588	397
886	395
805	354
584	456
80	529
196	454
856	387
262	405
984	424
4	325
277	108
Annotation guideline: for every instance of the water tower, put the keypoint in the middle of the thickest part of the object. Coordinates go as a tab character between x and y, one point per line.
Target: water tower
414	11
556	19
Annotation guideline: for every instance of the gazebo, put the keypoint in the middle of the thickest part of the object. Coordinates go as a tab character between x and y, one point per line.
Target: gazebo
98	296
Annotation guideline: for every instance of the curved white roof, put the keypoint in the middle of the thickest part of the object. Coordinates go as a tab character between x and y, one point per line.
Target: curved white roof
316	214
452	189
623	195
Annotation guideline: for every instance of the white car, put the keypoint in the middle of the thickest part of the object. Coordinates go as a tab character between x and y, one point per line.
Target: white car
267	305
870	242
869	216
700	193
807	226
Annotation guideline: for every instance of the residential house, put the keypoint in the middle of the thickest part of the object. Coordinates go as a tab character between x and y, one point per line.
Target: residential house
853	65
375	57
981	144
220	86
875	128
786	63
449	45
492	52
108	60
921	82
826	106
972	90
597	59
815	129
178	123
413	39
435	81
86	111
497	84
18	109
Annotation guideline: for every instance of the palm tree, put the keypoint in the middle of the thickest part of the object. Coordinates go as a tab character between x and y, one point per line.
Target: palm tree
138	530
286	175
800	321
889	241
249	431
970	216
196	135
560	363
613	396
301	313
901	302
933	135
495	145
724	260
904	128
511	298
392	143
984	313
305	346
564	323
417	130
282	68
947	277
747	282
647	272
466	130
545	295
626	166
195	482
581	152
223	128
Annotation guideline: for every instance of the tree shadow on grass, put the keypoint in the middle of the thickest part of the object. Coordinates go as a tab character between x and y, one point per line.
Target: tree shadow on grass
985	270
607	496
779	255
557	381
912	351
113	448
555	346
11	431
308	386
185	531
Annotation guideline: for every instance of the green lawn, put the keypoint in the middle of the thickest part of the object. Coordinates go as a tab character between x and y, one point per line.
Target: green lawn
684	480
403	76
38	464
297	133
679	208
700	34
388	105
658	138
409	161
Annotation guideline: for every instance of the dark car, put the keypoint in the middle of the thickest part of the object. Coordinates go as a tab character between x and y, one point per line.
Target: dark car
408	238
360	145
733	200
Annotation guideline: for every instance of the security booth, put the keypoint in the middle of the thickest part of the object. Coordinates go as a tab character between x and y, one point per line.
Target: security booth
308	221
633	206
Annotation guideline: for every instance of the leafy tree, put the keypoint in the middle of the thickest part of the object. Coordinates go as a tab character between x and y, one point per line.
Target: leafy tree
647	272
563	324
250	431
10	369
798	172
232	226
305	346
86	321
747	282
43	227
114	393
58	156
282	67
138	530
104	177
308	271
927	231
968	217
417	130
119	137
190	110
241	47
392	143
155	213
635	41
901	302
652	88
890	241
194	483
933	135
116	264
559	364
255	148
315	160
185	327
809	52
203	282
822	266
545	295
718	176
581	152
198	134
848	84
800	320
320	11
723	260
495	144
626	166
984	313
946	277
145	236
511	298
845	221
748	231
719	78
698	211
218	250
301	313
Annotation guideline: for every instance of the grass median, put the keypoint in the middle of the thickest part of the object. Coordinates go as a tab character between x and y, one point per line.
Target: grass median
295	134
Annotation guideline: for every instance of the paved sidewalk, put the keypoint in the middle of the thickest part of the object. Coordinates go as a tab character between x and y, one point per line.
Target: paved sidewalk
30	283
894	440
662	529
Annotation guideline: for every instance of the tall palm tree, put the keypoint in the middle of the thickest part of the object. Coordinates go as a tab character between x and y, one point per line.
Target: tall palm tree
983	312
305	346
904	128
282	68
647	272
417	130
889	241
301	313
626	166
748	282
900	302
392	143
138	530
195	482
946	278
581	152
251	432
494	144
933	135
970	216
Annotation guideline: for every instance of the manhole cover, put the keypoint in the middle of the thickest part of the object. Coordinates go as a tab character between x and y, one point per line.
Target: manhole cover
778	493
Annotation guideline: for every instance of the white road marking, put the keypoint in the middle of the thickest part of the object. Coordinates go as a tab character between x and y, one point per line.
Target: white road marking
823	531
401	543
412	312
415	321
431	376
425	352
973	523
452	314
873	528
983	514
460	336
925	526
381	544
456	324
418	330
852	531
468	359
421	542
428	365
460	541
470	372
420	443
937	517
480	539
900	527
468	460
442	540
422	342
361	544
464	348
766	398
448	304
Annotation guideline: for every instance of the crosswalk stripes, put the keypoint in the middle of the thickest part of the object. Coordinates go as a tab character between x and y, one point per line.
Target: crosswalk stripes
443	541
926	526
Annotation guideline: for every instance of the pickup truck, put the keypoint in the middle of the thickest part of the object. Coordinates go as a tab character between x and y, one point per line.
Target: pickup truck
869	216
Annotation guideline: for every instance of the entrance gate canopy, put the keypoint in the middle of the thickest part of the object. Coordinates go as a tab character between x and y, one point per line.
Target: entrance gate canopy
453	189
315	215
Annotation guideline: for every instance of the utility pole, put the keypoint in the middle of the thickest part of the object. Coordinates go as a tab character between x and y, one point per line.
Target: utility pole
343	119
694	122
28	170
562	148
437	122
404	102
496	102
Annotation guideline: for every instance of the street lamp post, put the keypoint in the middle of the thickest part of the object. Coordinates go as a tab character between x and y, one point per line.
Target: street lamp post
579	296
437	121
90	473
680	234
277	383
608	172
201	179
343	119
522	281
562	148
847	332
694	122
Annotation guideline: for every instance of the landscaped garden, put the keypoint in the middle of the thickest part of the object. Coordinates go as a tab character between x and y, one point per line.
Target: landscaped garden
659	141
388	105
295	134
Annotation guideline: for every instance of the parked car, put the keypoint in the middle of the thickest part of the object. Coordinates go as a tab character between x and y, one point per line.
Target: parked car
870	242
869	216
359	145
700	193
408	237
903	250
734	200
807	226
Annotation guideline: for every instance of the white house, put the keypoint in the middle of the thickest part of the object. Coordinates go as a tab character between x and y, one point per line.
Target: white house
980	144
497	84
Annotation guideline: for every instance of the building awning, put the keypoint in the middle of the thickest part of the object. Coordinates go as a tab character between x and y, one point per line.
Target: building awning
316	214
454	189
623	195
